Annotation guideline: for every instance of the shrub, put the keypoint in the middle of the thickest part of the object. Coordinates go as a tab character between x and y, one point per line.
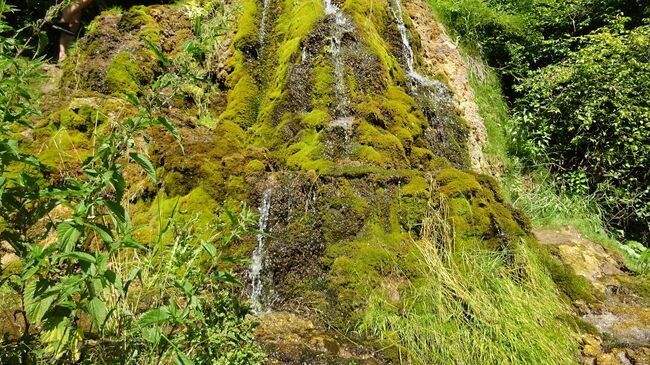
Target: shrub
589	116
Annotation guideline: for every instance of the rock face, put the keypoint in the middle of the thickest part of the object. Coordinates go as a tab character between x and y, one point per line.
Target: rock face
621	314
342	121
442	56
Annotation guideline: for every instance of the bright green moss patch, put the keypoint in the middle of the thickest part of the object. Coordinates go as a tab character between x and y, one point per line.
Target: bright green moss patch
359	266
417	186
124	75
305	154
388	151
138	18
64	148
247	35
154	217
315	119
323	83
478	210
83	119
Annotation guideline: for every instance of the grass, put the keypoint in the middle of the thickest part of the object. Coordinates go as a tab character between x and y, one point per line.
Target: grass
473	307
535	192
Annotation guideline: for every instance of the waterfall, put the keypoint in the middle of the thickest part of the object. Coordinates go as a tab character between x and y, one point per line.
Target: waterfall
407	48
263	22
259	254
341	25
433	90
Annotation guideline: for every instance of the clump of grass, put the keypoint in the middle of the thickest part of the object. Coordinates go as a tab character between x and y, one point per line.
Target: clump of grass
478	307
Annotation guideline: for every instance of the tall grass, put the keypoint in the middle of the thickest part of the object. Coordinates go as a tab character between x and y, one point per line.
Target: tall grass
474	307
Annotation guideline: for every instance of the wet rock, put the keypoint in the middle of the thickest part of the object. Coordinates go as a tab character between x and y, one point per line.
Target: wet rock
622	315
442	56
291	340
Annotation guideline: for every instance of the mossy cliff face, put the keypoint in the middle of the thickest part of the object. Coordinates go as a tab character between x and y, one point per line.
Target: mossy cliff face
318	112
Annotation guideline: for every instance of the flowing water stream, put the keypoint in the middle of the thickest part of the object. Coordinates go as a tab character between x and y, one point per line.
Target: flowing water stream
342	109
433	90
265	12
257	284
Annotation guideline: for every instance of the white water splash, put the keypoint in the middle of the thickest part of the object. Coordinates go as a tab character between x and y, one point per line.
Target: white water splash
259	255
341	25
407	48
265	11
434	90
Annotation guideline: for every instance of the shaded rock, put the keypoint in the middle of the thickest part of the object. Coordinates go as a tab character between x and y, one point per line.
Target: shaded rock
291	340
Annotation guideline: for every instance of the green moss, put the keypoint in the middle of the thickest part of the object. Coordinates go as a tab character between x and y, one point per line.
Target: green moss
323	82
247	35
197	203
124	75
64	148
380	147
480	214
230	140
417	186
574	286
358	267
306	154
315	119
370	18
138	18
255	166
83	119
296	21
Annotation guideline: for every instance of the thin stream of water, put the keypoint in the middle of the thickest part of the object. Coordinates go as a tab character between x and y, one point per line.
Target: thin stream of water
341	24
265	11
259	254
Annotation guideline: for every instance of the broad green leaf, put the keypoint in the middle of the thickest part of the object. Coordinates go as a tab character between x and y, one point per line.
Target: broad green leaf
158	52
37	299
181	359
233	218
146	165
226	277
103	232
154	316
132	99
171	128
129	242
97	310
68	235
115	281
59	336
81	256
117	210
210	249
152	334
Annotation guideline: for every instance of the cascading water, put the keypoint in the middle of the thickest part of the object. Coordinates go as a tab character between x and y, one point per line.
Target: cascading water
407	48
435	91
342	109
265	12
259	254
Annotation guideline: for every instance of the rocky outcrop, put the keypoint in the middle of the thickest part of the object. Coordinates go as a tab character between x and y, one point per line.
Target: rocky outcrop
618	321
442	56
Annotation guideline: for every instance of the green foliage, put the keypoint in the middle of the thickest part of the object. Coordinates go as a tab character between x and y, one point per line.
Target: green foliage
86	296
474	307
576	74
590	116
199	59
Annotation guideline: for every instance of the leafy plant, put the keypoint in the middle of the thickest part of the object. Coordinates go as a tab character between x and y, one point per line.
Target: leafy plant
79	257
589	117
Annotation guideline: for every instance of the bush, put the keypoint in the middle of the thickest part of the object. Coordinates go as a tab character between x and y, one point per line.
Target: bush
589	116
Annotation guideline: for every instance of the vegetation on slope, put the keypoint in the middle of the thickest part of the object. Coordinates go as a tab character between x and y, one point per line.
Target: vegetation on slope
84	288
549	55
